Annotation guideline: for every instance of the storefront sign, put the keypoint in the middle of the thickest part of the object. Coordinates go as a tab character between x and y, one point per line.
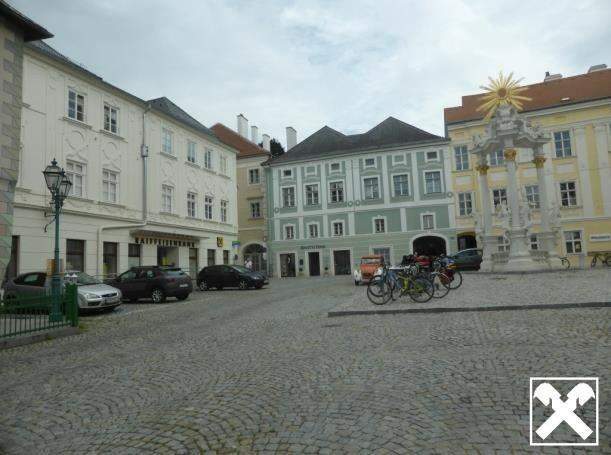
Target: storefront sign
600	237
312	247
235	244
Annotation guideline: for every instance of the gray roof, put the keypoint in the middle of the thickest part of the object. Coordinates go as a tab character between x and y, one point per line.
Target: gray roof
31	30
172	110
328	142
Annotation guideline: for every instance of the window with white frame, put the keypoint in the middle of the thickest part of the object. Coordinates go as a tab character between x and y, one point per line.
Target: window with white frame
432	156
289	232
502	243
110	186
287	173
432	182
191	205
191	152
288	196
398	159
76	105
568	194
428	221
310	170
313	230
76	174
382	251
461	156
224	211
336	191
111	118
166	141
254	177
372	187
497	158
223	164
255	209
379	225
465	204
499	196
370	162
534	242
572	240
208	206
167	198
335	167
562	144
311	194
400	184
532	195
208	159
338	228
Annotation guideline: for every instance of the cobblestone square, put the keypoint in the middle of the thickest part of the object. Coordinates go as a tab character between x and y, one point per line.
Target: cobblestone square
268	372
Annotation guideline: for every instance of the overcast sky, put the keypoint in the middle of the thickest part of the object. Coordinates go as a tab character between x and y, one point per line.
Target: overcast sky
346	64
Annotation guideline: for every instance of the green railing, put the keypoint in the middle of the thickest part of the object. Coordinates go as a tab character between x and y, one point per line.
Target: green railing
23	314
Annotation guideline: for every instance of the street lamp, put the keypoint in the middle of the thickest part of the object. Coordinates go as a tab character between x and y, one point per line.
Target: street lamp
59	186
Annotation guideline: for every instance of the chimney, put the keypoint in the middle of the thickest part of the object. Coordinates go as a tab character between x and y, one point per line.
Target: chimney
551	77
243	126
254	134
266	145
291	138
598	67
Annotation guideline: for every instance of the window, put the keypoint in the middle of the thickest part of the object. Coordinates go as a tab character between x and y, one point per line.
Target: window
111	116
226	257
428	221
76	174
382	251
497	158
338	228
287	173
398	159
255	209
191	205
289	232
208	202
288	196
191	152
465	204
109	258
337	191
568	194
432	182
379	225
211	256
311	194
310	170
372	188
133	259
166	141
572	240
432	156
534	242
208	159
335	167
562	144
502	243
499	196
254	177
224	211
313	230
400	184
370	162
167	197
76	105
461	156
532	195
75	255
223	162
110	184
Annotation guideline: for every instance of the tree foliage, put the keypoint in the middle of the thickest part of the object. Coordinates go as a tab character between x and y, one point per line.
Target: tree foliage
275	147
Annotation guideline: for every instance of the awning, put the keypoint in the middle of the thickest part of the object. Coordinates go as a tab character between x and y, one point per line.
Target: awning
164	238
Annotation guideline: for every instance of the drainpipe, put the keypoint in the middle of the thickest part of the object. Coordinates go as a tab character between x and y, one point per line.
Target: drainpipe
144	156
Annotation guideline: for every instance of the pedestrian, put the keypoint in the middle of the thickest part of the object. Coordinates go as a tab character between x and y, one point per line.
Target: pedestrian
248	264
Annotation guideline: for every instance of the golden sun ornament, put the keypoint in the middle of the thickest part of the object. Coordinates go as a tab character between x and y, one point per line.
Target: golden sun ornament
501	91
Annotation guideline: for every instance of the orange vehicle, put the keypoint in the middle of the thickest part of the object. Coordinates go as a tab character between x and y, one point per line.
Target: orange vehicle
367	268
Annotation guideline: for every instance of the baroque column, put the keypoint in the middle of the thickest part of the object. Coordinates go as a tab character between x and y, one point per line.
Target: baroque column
548	234
488	239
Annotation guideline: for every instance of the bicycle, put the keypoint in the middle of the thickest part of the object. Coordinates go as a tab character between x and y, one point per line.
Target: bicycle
445	265
564	261
412	283
605	258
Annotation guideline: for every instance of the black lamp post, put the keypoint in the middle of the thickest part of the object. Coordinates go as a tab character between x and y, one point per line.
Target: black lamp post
59	186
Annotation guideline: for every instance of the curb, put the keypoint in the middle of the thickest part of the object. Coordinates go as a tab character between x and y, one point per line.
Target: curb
542	306
37	337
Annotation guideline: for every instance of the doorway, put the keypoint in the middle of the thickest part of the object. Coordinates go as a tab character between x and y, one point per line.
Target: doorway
287	265
429	245
256	253
110	259
314	263
341	262
12	270
466	240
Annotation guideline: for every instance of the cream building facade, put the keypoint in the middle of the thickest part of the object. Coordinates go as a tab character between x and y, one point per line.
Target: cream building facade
151	185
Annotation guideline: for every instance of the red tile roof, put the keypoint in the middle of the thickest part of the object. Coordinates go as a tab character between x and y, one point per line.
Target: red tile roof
245	147
578	89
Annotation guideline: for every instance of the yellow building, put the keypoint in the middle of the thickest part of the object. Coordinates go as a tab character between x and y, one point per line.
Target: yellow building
251	190
576	113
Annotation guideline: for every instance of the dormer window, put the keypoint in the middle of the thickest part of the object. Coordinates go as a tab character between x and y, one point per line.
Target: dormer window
370	162
432	156
287	173
335	167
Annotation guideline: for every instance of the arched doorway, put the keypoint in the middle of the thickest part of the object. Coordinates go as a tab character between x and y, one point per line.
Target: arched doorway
466	240
429	245
257	254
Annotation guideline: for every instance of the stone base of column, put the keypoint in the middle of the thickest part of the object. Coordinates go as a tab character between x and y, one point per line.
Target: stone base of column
520	259
489	246
548	242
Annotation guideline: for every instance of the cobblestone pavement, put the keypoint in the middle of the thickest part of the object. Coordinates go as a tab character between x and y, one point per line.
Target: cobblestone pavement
486	290
266	372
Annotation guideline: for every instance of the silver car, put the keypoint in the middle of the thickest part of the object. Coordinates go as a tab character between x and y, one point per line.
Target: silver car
92	293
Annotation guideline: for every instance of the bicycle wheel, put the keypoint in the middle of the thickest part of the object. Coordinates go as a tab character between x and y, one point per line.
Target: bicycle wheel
607	260
455	279
441	285
379	291
565	263
420	290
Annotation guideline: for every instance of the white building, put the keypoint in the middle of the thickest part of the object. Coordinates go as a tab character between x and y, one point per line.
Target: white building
151	185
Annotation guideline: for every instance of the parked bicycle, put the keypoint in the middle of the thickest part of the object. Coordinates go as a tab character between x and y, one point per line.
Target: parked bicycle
398	282
565	262
604	258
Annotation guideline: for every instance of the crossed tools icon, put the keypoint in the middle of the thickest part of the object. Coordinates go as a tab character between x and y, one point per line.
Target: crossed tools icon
564	410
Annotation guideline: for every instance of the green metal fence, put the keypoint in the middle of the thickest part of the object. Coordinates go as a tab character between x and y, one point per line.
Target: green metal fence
25	314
